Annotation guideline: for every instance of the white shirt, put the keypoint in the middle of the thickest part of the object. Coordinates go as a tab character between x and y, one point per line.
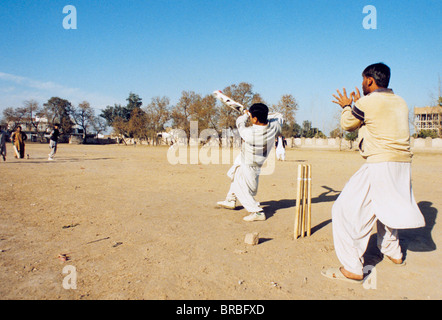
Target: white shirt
258	140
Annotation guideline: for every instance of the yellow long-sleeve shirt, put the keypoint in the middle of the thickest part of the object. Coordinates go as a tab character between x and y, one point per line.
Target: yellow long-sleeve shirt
382	119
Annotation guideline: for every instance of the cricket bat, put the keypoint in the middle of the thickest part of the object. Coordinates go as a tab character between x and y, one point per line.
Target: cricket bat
218	94
16	152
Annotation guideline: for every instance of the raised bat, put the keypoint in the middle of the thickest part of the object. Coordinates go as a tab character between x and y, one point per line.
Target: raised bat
218	94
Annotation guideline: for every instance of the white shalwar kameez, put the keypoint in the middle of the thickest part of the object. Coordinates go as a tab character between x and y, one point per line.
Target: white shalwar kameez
256	145
280	150
377	192
381	190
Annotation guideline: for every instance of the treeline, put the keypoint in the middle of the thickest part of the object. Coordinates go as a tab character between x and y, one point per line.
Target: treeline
144	122
55	111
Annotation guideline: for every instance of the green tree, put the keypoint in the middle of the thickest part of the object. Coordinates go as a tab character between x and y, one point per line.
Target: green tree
133	101
295	130
351	136
427	134
308	131
118	116
110	114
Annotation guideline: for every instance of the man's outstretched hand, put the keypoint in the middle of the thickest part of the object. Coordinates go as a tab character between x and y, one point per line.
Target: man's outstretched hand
343	100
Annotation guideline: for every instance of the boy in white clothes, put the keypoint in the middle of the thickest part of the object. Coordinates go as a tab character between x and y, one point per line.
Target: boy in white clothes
280	148
257	141
380	191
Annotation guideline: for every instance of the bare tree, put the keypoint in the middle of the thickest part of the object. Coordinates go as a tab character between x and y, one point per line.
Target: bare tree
34	116
30	115
204	111
58	110
99	125
120	127
287	106
13	117
158	113
182	113
84	117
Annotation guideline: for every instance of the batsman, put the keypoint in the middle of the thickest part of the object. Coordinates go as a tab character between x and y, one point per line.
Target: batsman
257	141
380	192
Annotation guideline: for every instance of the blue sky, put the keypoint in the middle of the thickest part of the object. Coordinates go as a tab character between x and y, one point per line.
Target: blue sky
161	48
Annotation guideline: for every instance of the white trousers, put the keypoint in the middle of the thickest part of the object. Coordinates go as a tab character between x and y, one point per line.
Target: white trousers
375	193
244	185
53	147
280	154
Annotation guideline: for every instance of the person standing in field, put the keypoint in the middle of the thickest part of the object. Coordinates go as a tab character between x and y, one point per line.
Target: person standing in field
380	191
53	142
257	143
280	144
18	139
3	138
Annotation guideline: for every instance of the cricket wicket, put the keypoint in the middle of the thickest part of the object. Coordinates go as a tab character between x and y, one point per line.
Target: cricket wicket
303	202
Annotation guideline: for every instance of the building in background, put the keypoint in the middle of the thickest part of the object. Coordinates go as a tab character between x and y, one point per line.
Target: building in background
428	118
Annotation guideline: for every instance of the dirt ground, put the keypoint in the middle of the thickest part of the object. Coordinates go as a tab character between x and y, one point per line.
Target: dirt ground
136	227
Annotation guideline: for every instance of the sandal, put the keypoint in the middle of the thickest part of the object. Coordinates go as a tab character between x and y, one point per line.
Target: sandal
336	274
403	263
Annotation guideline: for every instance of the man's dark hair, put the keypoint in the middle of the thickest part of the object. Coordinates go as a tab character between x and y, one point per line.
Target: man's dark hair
260	111
380	73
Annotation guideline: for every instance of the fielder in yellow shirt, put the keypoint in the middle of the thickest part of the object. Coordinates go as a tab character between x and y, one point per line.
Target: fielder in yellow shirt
380	191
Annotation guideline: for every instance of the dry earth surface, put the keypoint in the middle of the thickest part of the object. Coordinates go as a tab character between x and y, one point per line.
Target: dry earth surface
136	227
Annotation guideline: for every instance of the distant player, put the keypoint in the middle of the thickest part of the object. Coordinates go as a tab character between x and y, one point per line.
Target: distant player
280	144
3	138
18	139
258	141
53	142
